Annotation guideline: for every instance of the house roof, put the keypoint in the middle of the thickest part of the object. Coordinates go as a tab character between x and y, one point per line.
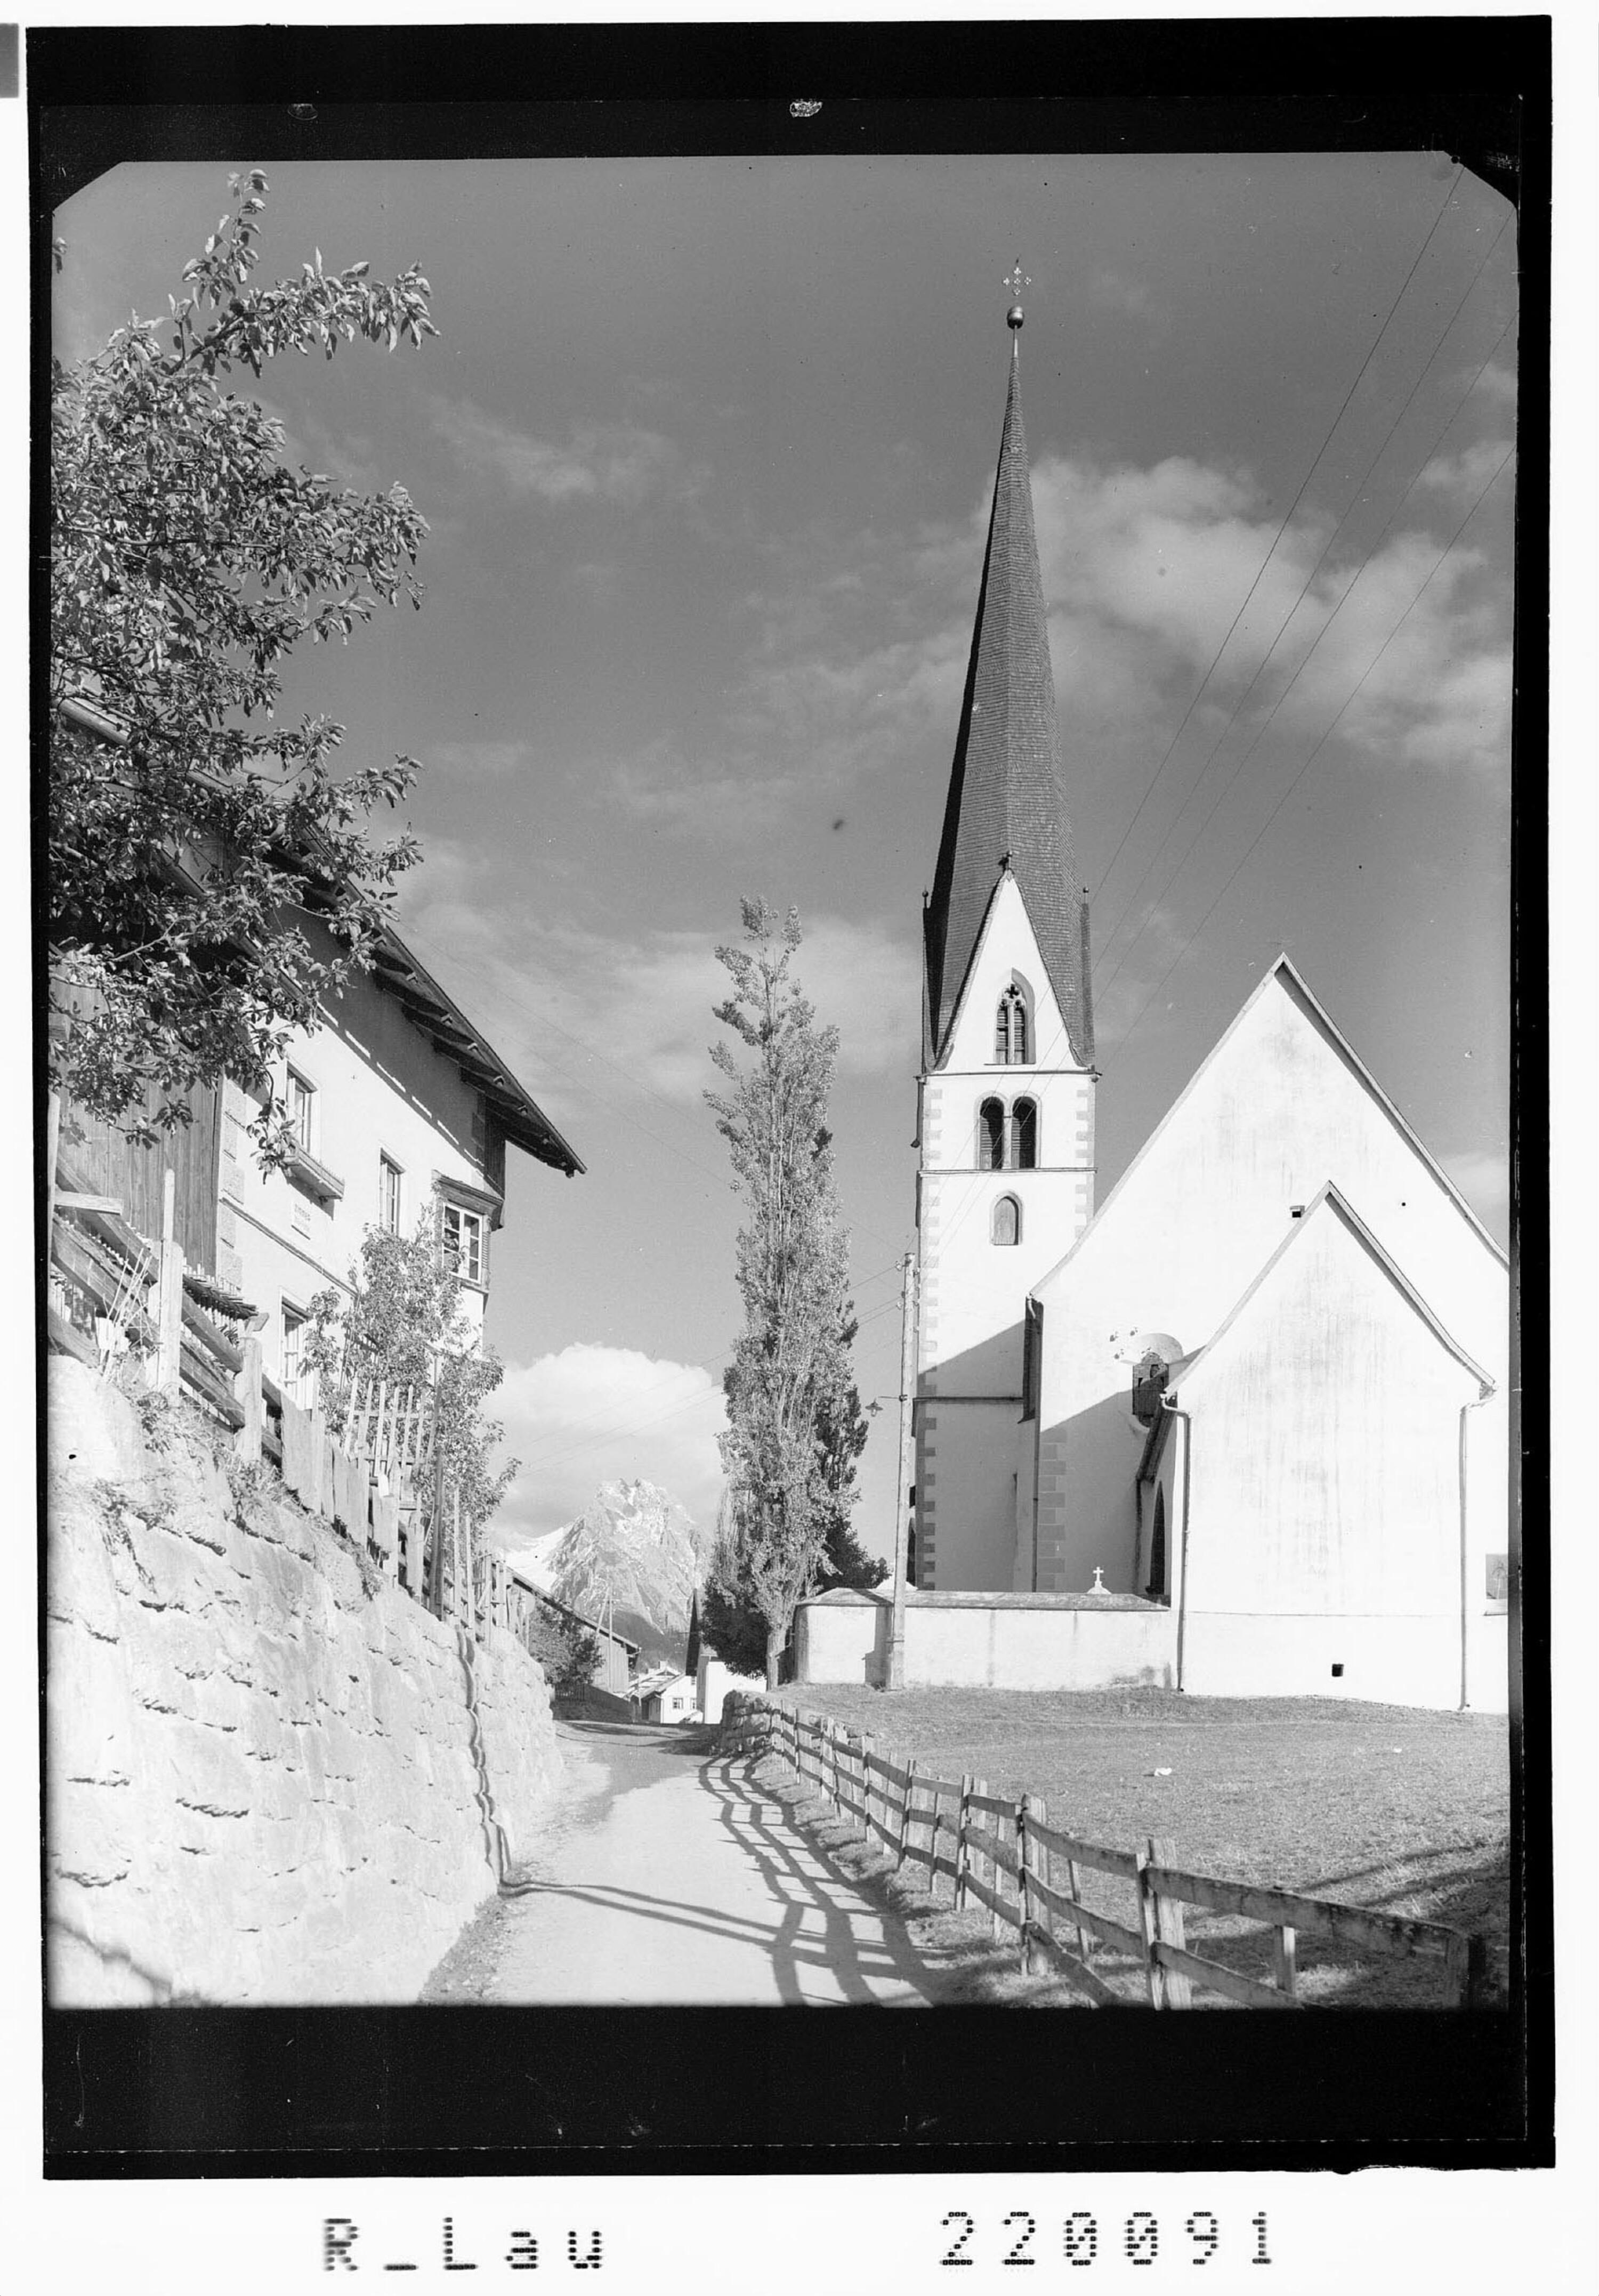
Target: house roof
550	1604
398	971
1330	1201
1007	795
1284	972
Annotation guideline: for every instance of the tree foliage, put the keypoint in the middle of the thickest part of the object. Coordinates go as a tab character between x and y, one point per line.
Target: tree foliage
404	1321
793	1411
565	1648
187	816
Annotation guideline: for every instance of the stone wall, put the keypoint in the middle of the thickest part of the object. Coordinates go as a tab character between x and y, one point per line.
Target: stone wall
261	1779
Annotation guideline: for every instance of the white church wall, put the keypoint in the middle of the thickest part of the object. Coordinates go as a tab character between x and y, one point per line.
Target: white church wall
1010	1642
966	1494
1274	1113
1330	1535
837	1638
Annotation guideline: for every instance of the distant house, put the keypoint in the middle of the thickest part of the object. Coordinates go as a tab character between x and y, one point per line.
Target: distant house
402	1111
666	1695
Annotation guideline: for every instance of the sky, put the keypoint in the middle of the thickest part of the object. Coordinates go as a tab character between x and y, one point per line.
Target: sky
705	447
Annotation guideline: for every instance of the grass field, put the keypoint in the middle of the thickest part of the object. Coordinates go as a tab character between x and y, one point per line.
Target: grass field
1396	1809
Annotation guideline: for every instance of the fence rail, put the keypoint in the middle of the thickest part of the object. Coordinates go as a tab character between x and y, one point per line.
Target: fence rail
1008	1858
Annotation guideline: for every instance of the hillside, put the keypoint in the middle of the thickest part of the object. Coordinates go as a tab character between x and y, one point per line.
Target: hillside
635	1548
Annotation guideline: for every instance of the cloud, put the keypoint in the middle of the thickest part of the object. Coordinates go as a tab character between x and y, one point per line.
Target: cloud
616	463
648	999
591	1415
486	759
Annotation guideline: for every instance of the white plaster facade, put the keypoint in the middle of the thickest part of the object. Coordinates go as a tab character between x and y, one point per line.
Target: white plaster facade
382	1091
974	1287
1346	1466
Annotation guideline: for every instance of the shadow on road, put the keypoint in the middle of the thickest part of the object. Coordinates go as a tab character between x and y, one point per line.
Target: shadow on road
819	1922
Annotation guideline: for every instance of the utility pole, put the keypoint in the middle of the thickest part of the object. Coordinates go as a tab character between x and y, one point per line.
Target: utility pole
901	1521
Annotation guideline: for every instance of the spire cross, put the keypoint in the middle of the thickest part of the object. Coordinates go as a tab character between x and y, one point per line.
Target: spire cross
1017	279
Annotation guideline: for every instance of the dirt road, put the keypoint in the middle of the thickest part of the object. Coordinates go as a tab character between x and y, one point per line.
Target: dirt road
664	1876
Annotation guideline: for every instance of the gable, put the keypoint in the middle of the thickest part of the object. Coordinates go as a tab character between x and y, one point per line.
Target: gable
1007	948
1329	1274
1278	1105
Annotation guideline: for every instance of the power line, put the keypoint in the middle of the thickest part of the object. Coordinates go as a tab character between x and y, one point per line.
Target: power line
1315	753
1260	731
1276	538
1283	626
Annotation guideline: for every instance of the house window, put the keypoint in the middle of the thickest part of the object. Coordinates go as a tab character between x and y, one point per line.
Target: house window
1024	1135
388	1194
991	1136
1010	1029
1006	1224
463	1237
297	1381
299	1100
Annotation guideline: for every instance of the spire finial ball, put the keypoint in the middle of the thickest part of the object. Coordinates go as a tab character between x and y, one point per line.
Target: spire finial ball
1014	317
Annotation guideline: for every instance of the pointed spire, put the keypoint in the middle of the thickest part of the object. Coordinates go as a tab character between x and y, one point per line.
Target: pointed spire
1007	798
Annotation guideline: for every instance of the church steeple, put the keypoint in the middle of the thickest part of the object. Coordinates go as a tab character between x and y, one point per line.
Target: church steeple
1007	798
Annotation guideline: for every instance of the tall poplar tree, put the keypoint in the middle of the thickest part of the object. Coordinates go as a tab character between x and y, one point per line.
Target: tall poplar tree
789	1387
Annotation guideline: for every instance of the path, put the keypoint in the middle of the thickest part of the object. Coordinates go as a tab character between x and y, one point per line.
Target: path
666	1877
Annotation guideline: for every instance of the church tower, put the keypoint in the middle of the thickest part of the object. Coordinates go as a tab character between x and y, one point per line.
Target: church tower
1006	1094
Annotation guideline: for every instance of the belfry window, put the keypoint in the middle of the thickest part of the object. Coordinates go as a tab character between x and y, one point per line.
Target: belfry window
991	1136
1006	1224
1024	1135
1010	1029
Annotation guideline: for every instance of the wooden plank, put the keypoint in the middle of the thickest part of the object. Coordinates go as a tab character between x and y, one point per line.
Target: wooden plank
1184	1966
1380	1932
1168	1925
69	1341
197	1321
996	1901
993	1806
1085	1917
1120	1862
883	1767
1038	1940
72	1201
198	1371
995	1847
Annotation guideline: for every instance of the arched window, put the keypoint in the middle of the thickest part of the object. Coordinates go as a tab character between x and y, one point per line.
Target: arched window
1006	1224
991	1136
1010	1029
1157	1549
1024	1135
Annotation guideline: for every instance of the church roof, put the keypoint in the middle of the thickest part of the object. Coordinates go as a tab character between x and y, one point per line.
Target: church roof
1329	1200
1006	794
1285	974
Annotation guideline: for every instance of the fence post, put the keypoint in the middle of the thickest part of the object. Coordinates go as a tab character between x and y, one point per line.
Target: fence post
247	1439
1023	1895
962	1842
1155	1976
169	1349
1074	1883
1163	1922
867	1744
1283	1957
908	1763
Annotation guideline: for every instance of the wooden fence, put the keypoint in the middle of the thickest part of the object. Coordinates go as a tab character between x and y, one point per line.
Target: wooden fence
111	1292
1027	1872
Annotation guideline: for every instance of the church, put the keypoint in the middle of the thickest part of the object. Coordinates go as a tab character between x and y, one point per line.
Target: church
1240	1428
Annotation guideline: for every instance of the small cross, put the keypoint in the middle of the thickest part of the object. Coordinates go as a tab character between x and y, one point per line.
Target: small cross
1016	280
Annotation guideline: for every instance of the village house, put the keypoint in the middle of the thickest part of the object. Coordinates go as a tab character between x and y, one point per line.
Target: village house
402	1112
1244	1428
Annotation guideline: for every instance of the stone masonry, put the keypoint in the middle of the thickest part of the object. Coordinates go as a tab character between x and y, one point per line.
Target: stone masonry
261	1787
